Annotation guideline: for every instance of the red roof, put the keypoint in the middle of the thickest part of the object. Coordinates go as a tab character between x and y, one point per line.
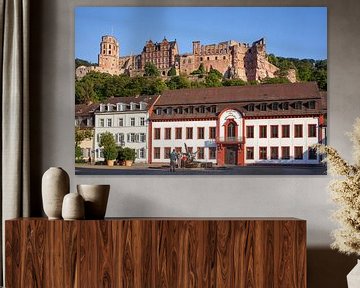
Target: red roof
233	94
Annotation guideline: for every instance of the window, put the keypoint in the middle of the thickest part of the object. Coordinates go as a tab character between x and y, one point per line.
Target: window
189	133
167	151
121	122
285	131
132	121
298	105
132	137
250	153
231	130
200	133
213	109
120	138
249	131
191	109
285	105
142	121
312	130
298	152
312	154
263	107
168	110
167	133
201	109
178	150
275	106
142	153
298	130
262	153
178	133
274	153
156	152
285	153
274	131
311	104
98	138
212	152
109	122
212	132
262	131
200	153
250	107
157	133
158	111
101	122
142	137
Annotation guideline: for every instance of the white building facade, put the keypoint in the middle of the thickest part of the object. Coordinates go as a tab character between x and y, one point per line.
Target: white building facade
261	124
127	118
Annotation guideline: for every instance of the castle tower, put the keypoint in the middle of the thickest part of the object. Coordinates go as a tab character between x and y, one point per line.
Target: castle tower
109	54
196	47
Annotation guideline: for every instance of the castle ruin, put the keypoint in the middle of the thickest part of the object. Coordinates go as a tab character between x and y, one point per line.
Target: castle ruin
232	59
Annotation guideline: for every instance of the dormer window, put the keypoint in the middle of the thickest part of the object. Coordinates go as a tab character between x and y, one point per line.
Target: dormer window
179	110
311	104
168	110
120	107
109	107
102	107
132	106
285	106
275	106
213	109
298	105
158	111
201	109
263	106
143	105
191	109
250	107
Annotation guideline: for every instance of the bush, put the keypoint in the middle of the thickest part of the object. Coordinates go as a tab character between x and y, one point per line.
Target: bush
126	154
107	141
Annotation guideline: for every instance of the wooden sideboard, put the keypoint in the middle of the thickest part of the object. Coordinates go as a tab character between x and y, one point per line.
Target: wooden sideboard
156	252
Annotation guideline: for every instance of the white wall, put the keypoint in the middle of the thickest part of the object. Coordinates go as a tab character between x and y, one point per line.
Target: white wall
298	196
291	142
173	143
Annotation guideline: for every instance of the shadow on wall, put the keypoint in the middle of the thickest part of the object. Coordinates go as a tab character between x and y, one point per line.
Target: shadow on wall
328	268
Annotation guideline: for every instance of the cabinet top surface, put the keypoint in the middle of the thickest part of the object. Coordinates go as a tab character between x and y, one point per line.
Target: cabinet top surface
173	219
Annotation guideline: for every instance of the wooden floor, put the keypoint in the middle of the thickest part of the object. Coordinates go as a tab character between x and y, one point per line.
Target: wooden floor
170	253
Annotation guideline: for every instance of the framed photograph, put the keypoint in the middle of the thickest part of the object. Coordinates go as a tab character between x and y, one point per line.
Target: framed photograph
200	90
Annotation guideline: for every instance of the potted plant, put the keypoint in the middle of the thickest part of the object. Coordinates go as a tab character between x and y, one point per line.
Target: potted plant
345	192
129	156
107	141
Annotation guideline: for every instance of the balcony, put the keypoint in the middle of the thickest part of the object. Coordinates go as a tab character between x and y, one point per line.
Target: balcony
230	140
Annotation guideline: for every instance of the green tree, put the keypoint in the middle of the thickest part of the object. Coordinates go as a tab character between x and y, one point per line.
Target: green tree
107	141
213	79
178	82
84	92
151	70
172	72
126	153
81	135
233	82
153	86
199	71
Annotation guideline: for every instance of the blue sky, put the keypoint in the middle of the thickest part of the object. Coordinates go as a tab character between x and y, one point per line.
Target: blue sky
299	32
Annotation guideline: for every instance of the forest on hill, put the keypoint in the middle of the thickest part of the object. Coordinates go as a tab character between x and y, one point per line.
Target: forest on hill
97	87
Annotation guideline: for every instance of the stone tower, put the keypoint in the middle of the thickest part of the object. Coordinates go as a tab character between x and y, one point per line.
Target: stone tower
109	55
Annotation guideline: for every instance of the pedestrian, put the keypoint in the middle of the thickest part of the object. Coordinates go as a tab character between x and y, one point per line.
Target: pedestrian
173	160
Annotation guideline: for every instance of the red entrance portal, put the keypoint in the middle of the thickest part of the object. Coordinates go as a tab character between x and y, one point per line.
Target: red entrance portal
230	153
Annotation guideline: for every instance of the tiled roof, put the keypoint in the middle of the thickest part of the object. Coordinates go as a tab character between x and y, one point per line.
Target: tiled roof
235	94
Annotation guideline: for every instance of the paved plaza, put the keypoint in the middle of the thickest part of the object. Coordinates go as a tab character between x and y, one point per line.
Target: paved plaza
143	169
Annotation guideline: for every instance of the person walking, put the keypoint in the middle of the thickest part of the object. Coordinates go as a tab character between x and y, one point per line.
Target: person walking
173	160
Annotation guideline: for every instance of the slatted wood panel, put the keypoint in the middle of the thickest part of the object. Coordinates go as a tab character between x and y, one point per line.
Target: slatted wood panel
172	253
